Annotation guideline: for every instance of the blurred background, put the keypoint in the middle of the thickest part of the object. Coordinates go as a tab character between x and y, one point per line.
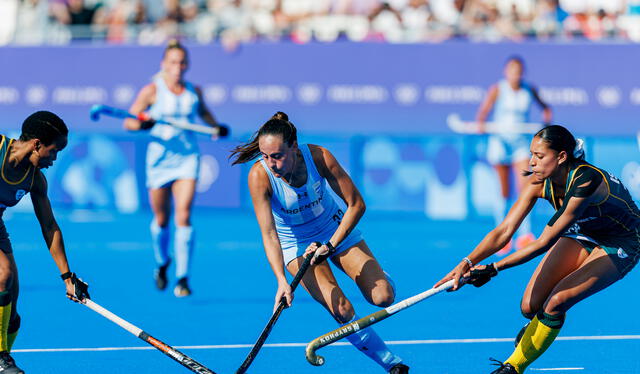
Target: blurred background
373	81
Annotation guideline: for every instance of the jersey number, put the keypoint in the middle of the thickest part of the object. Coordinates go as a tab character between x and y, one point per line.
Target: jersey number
338	216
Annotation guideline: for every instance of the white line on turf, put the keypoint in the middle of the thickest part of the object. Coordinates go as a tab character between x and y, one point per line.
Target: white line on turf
288	345
555	369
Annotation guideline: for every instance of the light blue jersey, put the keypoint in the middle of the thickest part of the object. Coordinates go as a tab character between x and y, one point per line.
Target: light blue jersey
172	153
511	112
306	214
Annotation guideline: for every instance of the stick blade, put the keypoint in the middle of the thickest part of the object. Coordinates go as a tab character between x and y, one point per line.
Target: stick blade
95	111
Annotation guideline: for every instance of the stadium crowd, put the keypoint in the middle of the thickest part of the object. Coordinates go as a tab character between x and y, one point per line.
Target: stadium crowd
29	22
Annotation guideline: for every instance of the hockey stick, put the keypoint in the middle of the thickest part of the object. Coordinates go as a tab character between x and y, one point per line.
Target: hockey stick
274	317
457	125
367	321
178	356
98	110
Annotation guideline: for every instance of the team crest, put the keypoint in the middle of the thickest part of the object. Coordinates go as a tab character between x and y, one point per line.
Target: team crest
622	253
20	194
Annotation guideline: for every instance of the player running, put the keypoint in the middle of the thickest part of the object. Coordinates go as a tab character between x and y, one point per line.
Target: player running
44	134
593	240
295	209
173	160
511	100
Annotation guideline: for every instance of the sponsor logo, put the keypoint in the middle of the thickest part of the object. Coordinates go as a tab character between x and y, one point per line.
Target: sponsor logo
20	194
79	95
309	93
36	95
567	96
261	94
123	94
9	95
622	253
454	94
357	94
609	96
406	94
215	94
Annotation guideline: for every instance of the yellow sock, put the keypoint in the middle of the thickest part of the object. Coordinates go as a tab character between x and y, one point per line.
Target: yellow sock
12	331
11	338
5	314
538	336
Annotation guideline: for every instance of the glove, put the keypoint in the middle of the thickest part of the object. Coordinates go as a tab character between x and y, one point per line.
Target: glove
479	277
80	288
146	122
223	130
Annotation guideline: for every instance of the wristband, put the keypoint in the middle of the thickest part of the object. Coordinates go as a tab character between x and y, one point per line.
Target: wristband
66	275
332	249
466	259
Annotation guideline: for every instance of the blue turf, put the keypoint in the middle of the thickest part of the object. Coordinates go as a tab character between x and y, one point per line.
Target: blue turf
233	296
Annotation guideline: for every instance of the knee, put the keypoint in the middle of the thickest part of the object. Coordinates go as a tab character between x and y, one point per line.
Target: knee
162	219
183	217
383	296
558	303
5	276
528	309
343	311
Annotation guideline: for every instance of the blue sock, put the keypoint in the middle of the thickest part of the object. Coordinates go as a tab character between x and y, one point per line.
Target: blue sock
369	343
160	240
183	243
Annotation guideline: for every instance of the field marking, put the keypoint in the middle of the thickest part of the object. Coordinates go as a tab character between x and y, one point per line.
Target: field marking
290	345
555	369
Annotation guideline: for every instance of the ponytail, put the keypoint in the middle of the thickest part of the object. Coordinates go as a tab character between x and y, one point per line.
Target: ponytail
278	124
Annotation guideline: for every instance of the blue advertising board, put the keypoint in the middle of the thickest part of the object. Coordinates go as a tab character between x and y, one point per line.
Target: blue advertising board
338	88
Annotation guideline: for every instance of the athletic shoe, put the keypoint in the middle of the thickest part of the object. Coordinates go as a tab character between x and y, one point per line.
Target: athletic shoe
182	288
8	365
519	337
160	276
399	369
523	240
506	249
503	368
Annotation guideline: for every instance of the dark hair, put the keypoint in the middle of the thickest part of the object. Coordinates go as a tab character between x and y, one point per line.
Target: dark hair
278	124
175	44
560	139
45	126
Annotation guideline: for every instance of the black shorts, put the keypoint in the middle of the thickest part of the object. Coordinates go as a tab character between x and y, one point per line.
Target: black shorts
5	243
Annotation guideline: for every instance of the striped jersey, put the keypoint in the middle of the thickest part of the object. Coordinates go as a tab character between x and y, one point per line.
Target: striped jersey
302	212
615	217
11	191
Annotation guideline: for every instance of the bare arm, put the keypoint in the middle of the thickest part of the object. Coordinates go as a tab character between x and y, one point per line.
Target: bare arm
498	237
487	104
203	110
50	230
146	97
502	234
547	114
343	186
260	190
562	220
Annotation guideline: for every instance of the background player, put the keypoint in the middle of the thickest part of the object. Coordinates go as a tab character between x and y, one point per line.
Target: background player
173	160
510	100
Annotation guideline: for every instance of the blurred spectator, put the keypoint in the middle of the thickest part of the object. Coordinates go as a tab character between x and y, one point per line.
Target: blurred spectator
239	21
